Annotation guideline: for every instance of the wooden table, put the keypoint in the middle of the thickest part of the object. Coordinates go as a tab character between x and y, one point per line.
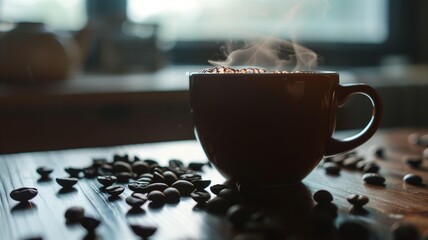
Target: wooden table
392	203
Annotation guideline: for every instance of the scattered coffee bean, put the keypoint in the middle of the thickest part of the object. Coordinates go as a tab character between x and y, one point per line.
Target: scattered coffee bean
231	195
371	167
156	196
120	166
379	152
196	166
89	223
98	162
184	187
23	194
201	184
123	177
90	172
374	179
238	215
217	188
414	161
175	163
156	187
404	231
158	177
351	162
138	186
413	179
115	190
217	205
172	195
66	182
44	172
135	202
140	167
143	231
106	180
105	169
331	168
357	201
190	177
170	177
323	196
74	214
353	230
200	196
73	172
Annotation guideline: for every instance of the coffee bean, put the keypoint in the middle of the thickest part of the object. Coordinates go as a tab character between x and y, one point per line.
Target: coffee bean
158	177
413	161
156	187
170	177
145	179
175	163
90	172
139	187
371	167
351	162
66	182
331	168
231	195
151	162
156	196
73	172
217	188
200	196
115	190
23	194
379	152
135	202
357	201
172	195
196	166
90	223
74	214
413	138
106	180
146	175
404	231
238	215
190	177
105	169
44	172
143	231
184	187
413	179
353	230
217	205
323	196
201	184
123	177
98	162
121	158
374	179
120	166
140	167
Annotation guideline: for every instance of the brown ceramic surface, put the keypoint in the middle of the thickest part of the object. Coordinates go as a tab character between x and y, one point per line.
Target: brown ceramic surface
272	128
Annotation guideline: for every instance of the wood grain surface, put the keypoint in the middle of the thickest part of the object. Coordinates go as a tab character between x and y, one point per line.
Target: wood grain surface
394	202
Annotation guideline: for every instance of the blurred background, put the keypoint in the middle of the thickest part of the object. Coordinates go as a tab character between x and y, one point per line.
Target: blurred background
86	73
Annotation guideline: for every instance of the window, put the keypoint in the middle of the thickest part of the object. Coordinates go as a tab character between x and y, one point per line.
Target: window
57	14
350	21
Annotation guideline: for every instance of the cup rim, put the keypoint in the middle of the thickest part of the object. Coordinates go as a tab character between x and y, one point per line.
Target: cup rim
315	72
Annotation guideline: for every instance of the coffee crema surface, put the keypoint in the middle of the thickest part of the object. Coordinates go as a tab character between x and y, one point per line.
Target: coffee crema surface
221	69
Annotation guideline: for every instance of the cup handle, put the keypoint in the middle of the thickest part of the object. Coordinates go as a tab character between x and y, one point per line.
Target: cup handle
336	146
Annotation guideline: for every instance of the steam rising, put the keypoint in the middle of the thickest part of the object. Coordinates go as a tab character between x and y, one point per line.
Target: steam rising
270	52
274	52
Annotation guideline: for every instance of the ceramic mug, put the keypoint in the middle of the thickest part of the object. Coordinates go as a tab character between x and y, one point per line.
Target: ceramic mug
273	128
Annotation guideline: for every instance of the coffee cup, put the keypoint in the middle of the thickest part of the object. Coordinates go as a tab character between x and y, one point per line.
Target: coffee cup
273	128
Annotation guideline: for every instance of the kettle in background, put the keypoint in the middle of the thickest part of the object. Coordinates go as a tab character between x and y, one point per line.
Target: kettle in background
32	53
